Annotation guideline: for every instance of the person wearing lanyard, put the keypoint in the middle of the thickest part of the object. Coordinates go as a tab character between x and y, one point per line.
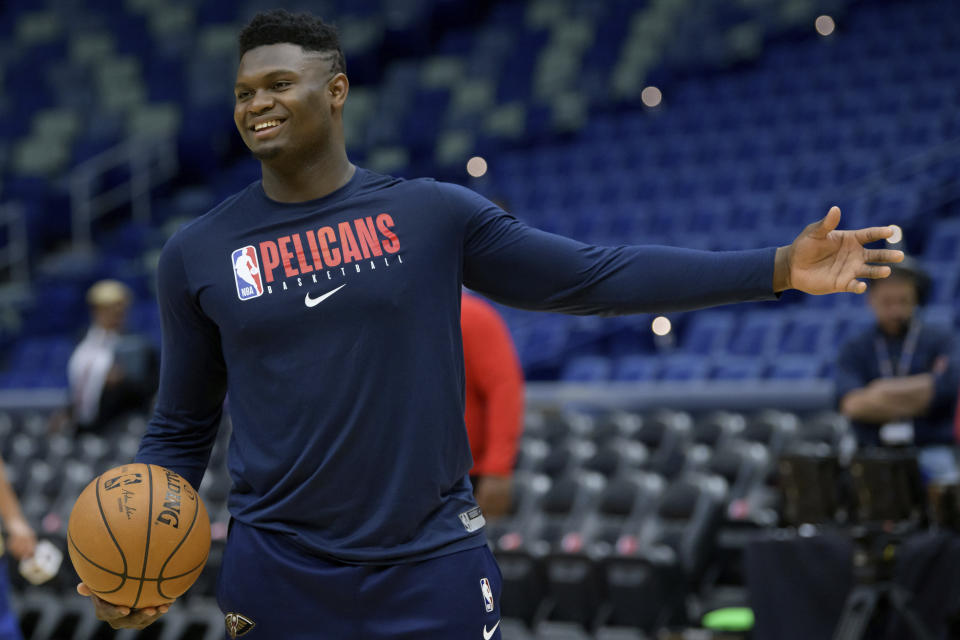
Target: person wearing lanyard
897	381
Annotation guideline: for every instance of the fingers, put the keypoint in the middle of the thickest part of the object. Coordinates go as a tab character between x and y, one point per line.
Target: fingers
122	617
855	286
883	255
138	619
872	234
828	224
105	610
22	548
873	272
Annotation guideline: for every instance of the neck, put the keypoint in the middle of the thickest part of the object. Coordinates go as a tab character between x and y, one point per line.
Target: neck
897	331
299	181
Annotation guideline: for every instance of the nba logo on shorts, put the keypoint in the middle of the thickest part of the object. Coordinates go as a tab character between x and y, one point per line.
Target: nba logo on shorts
246	271
487	594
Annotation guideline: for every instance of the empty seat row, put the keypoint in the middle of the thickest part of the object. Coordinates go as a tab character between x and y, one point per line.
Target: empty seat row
630	564
47	616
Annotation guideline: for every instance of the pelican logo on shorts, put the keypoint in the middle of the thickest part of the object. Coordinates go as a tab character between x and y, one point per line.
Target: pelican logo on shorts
487	594
237	625
246	272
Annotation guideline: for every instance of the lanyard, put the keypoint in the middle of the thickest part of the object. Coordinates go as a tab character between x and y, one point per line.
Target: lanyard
906	355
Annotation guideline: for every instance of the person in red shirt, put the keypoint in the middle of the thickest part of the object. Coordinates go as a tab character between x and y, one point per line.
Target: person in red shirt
494	403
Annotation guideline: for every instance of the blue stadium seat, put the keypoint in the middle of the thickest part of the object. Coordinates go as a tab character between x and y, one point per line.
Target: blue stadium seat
587	369
705	170
796	367
944	275
637	368
684	368
707	332
727	368
807	333
757	334
850	324
943	243
943	315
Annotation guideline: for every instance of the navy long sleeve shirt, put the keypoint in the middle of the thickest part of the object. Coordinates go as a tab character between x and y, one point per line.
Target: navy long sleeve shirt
334	325
858	364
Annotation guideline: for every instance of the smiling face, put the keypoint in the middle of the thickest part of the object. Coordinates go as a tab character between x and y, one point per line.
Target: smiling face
288	102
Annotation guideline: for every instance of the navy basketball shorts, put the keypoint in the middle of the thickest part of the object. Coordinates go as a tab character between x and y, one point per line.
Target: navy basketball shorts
270	589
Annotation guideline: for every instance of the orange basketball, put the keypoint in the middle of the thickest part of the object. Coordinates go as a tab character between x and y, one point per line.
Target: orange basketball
139	535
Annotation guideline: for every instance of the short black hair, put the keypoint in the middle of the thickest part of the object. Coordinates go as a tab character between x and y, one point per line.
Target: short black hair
280	26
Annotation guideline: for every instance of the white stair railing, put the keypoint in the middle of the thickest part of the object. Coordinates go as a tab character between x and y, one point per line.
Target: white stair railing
148	162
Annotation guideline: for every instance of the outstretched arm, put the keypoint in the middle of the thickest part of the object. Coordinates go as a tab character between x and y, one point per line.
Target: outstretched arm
524	267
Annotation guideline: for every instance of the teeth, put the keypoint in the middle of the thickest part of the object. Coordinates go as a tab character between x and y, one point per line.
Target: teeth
264	125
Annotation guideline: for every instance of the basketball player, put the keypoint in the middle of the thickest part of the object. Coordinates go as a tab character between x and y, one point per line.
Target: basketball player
353	515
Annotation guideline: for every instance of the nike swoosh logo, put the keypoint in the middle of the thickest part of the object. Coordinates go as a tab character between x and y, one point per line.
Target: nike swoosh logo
489	634
312	302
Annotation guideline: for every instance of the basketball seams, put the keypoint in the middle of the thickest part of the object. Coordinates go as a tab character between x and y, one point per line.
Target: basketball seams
160	578
146	546
122	576
192	539
106	523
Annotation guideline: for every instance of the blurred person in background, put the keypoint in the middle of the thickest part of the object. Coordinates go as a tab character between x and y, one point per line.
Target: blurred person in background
20	542
897	380
494	403
111	373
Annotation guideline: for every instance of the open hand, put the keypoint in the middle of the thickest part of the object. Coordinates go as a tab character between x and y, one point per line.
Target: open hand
122	617
824	260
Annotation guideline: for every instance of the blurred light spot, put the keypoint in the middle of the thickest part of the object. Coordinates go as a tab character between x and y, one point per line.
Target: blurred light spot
476	166
825	25
897	235
51	523
651	96
661	325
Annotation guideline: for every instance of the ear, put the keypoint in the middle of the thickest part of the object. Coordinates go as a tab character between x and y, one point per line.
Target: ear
338	88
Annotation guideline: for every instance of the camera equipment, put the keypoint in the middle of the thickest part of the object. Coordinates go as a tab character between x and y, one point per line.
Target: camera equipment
880	500
813	486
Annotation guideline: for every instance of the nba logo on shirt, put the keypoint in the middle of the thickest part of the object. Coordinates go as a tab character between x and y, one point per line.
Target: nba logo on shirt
246	271
487	594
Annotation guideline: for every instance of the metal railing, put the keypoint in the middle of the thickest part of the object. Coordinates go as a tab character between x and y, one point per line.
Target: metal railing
148	162
734	395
